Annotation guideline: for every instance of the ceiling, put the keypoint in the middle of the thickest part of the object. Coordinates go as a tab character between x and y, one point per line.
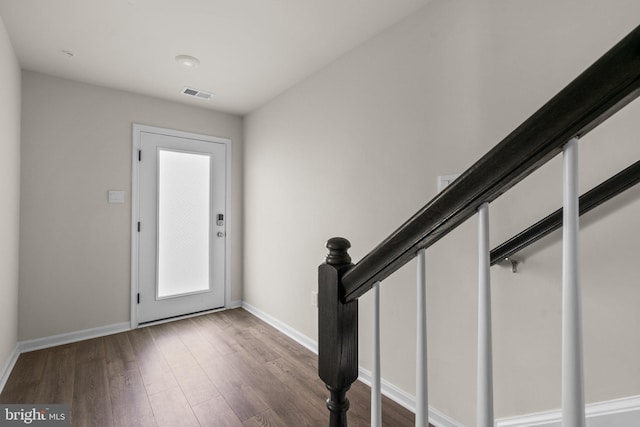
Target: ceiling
249	50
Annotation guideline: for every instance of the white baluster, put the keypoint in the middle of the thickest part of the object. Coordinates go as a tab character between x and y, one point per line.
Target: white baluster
572	362
422	401
485	366
376	397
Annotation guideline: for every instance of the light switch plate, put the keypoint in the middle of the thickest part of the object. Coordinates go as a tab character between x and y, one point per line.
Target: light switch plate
115	196
445	180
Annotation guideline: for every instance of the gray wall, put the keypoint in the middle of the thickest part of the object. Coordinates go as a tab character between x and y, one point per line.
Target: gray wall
355	149
9	194
75	249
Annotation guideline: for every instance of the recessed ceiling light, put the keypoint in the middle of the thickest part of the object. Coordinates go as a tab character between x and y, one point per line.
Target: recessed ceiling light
188	60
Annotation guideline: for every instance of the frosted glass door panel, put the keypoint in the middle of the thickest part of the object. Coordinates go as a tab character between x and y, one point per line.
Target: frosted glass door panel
184	219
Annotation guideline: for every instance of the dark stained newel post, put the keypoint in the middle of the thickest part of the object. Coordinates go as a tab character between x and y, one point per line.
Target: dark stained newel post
337	331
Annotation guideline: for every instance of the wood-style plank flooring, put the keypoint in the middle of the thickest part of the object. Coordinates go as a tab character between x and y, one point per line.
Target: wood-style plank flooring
221	369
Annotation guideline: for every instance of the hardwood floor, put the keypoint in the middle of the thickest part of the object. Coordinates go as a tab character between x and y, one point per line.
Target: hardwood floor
226	369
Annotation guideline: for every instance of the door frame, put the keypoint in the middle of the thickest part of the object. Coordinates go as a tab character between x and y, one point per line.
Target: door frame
135	207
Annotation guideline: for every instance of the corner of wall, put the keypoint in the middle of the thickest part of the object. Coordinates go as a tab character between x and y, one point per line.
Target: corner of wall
10	111
8	367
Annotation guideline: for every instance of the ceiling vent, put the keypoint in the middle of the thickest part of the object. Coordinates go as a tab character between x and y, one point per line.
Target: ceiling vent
196	93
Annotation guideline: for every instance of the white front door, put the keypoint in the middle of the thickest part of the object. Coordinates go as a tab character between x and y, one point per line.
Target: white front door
182	219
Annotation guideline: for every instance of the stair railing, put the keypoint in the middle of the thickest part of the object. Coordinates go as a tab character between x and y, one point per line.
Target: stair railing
599	92
593	198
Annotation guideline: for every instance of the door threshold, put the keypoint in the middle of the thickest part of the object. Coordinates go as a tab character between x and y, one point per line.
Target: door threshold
180	317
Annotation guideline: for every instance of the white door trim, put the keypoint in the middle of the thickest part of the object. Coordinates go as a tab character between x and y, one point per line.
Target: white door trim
135	208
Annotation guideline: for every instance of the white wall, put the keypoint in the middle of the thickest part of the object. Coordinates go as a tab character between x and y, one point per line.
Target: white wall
355	149
9	194
74	247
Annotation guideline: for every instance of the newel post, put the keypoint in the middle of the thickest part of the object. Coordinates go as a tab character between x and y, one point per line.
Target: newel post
337	331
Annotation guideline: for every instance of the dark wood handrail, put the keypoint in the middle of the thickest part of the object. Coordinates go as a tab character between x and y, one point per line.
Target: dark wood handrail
593	198
604	88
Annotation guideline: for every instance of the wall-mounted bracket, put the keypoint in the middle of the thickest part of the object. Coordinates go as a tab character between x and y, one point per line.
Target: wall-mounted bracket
514	264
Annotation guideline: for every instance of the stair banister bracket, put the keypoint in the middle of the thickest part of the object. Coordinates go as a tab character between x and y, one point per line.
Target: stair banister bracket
514	264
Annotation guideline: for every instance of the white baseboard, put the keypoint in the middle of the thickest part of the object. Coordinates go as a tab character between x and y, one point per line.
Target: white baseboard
391	391
69	337
439	419
612	413
8	367
235	304
394	393
407	400
294	334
